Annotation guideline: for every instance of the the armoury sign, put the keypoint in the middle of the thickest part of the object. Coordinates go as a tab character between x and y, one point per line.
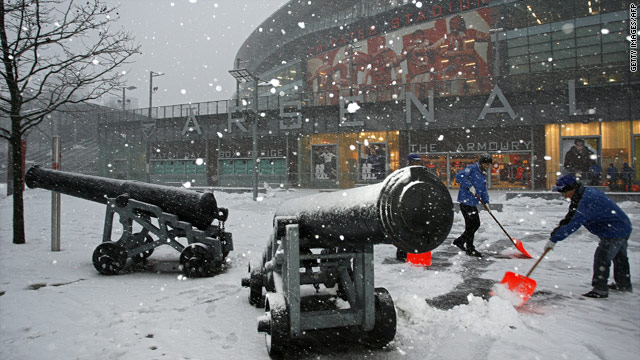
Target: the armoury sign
478	146
472	140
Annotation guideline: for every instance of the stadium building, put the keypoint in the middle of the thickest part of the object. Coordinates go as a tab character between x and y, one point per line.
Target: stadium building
346	89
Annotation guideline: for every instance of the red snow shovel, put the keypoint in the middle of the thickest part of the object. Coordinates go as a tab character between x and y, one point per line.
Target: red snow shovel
523	286
516	242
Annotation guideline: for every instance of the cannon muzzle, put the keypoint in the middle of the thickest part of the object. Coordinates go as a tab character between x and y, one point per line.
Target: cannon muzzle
199	209
411	209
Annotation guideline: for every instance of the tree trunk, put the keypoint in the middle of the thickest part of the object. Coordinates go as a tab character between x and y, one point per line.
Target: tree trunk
18	199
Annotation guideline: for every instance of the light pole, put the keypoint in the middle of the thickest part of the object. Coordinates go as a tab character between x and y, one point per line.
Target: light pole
152	74
243	75
124	109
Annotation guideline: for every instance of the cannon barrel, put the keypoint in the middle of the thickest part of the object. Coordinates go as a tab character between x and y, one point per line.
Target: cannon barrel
411	209
199	209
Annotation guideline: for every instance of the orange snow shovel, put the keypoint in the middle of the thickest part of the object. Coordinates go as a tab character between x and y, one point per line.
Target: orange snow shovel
523	286
516	242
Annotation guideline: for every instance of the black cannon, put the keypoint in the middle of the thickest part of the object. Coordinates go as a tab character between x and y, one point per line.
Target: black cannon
327	239
166	212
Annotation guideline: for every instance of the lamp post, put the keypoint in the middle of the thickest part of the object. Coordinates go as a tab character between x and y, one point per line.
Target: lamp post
152	74
124	109
243	75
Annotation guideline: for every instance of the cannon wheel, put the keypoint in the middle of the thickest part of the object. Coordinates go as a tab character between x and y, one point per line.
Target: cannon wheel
109	258
196	260
277	336
384	329
255	288
147	240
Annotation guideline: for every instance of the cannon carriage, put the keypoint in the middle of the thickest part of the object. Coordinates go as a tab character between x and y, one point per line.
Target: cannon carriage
164	214
323	244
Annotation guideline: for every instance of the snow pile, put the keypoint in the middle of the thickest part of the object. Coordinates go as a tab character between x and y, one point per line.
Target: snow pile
502	291
487	318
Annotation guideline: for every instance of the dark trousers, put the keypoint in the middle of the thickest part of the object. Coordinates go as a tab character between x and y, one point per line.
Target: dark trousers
471	224
611	250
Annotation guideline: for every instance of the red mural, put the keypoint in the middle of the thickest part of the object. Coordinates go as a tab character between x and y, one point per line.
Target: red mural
449	55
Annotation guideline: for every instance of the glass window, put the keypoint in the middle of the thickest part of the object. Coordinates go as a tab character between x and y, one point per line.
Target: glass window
615	37
588	40
519	41
168	167
227	167
266	166
524	59
565	63
280	167
588	50
190	167
519	69
540	48
540	57
563	44
158	168
589	60
618	57
614	47
540	38
561	35
564	54
539	66
522	50
178	167
588	30
615	26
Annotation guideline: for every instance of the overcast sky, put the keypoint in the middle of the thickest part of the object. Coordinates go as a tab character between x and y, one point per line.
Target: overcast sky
193	42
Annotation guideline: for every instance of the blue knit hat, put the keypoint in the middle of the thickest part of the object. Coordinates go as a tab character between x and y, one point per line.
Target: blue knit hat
565	183
414	157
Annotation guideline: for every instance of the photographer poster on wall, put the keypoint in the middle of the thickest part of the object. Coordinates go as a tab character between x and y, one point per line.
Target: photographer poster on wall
581	158
373	161
324	162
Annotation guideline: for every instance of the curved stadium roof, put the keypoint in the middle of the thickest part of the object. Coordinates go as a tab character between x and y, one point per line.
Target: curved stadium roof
282	27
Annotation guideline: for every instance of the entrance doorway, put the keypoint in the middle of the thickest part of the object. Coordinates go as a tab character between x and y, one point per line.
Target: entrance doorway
510	170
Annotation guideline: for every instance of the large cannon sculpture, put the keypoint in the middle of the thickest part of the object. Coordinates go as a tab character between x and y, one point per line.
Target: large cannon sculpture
168	213
327	239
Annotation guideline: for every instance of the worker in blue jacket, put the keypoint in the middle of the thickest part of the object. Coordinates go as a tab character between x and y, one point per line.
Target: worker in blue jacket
472	180
602	217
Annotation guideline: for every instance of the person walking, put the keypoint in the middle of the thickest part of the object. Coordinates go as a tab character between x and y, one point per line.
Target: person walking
472	180
627	176
595	175
612	177
592	209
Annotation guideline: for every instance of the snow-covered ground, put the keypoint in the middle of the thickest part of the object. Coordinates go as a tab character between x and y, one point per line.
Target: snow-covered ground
54	305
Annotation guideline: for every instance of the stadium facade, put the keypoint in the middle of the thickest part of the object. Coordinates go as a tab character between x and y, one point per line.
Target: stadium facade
346	89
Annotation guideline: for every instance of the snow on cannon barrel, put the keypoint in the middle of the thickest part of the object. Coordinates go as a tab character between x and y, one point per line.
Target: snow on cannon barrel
177	211
411	209
327	240
200	209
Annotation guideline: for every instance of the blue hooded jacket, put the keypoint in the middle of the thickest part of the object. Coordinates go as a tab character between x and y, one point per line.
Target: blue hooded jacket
472	176
601	216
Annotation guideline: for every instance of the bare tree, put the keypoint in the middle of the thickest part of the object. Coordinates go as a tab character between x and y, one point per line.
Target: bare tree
55	53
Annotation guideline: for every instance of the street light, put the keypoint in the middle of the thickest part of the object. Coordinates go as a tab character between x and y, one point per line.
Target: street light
152	74
124	109
243	76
